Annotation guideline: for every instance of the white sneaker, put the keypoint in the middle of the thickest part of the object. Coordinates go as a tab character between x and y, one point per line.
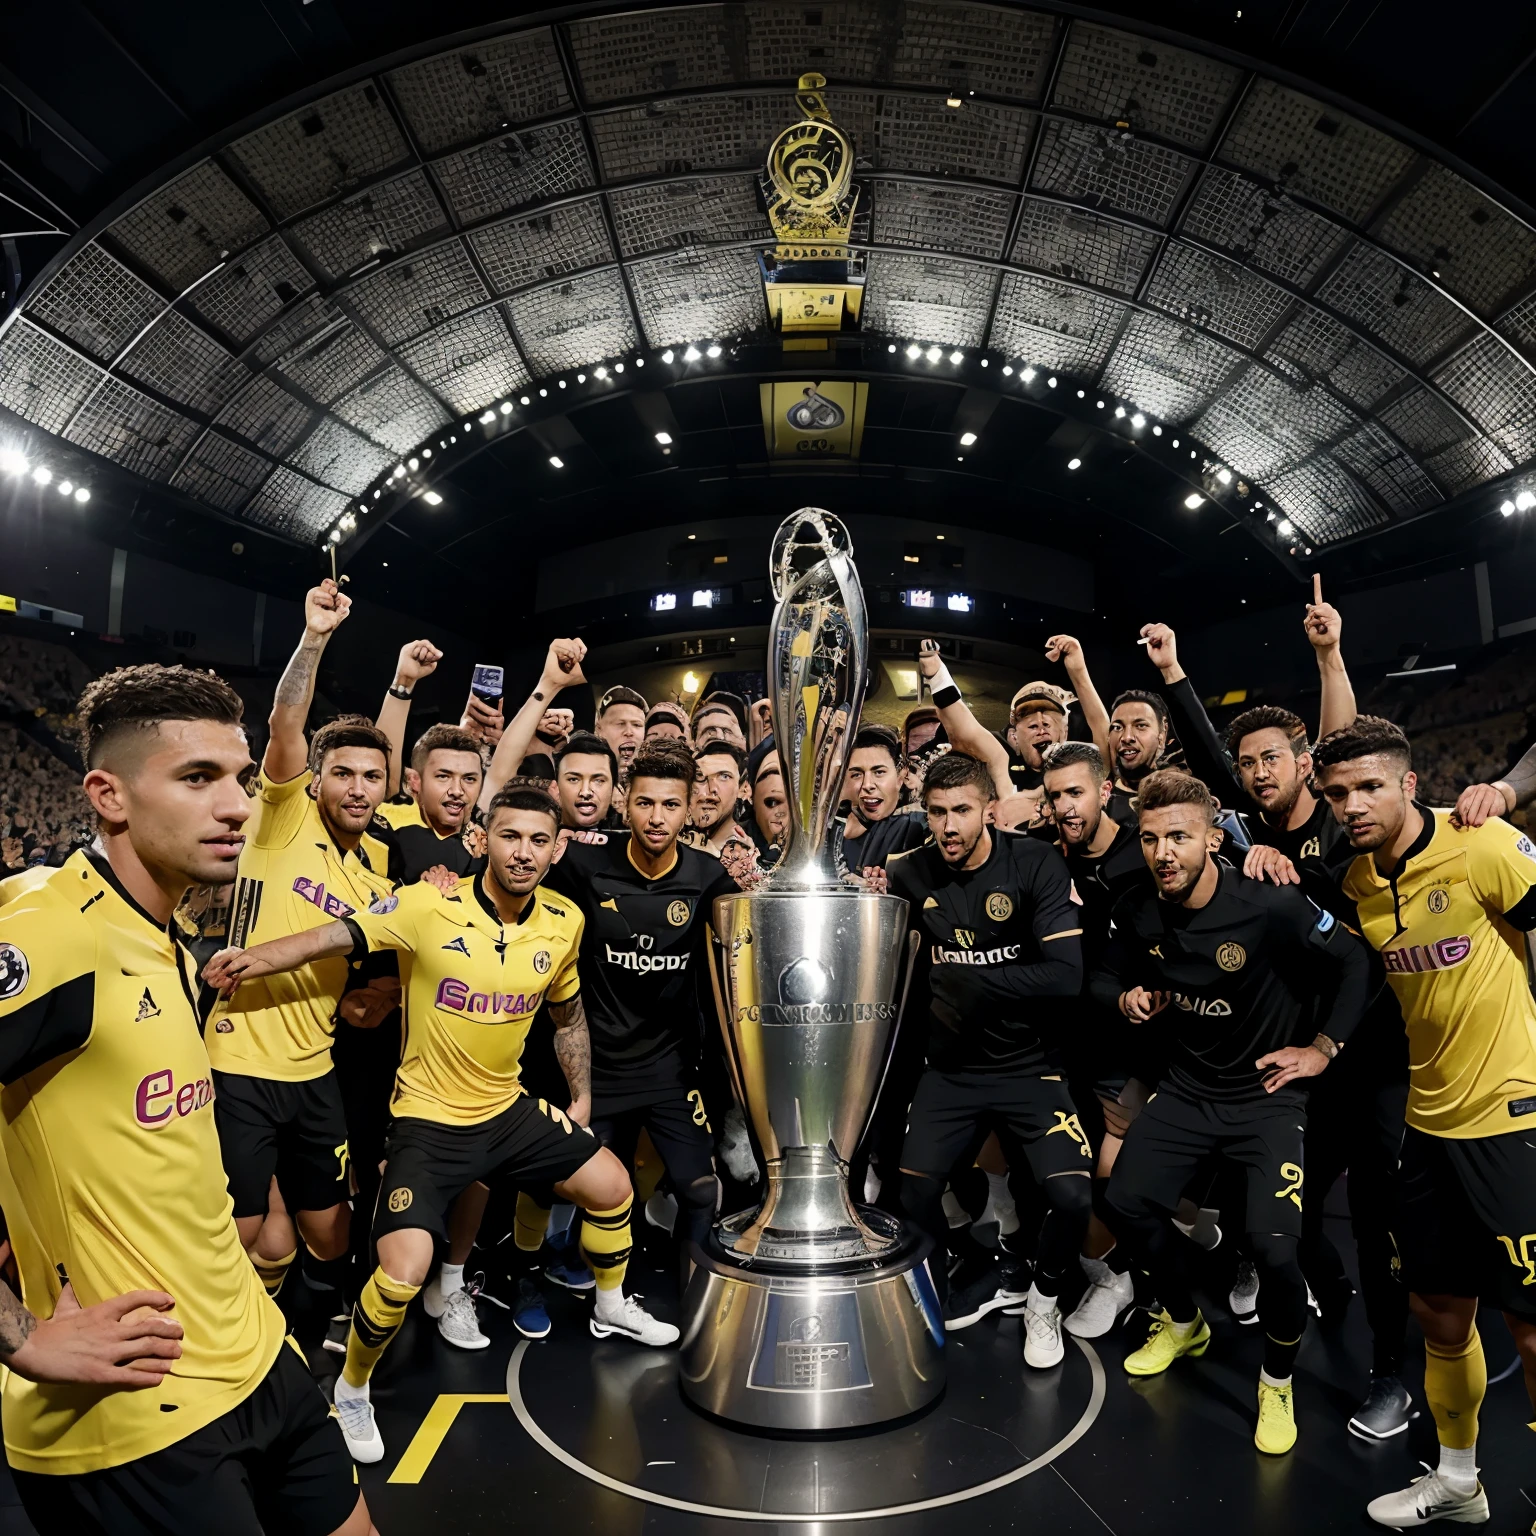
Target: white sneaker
1105	1299
1428	1498
458	1321
359	1428
632	1321
1043	1346
1243	1299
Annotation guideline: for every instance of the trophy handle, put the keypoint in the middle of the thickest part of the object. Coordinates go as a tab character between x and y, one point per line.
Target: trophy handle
914	943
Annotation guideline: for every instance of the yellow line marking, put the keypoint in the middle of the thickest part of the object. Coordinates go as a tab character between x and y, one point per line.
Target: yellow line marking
412	1467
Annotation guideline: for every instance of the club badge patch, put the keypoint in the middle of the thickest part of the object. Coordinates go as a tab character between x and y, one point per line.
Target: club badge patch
542	962
15	973
399	1200
999	907
677	914
1438	900
1231	957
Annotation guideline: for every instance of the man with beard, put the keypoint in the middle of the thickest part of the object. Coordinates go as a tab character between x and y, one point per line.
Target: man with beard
1001	932
647	902
1355	1112
1447	907
1255	969
308	860
876	825
1105	861
621	723
486	953
140	1413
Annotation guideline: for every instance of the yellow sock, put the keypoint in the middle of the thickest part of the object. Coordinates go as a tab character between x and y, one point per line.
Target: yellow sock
273	1271
1455	1381
529	1224
605	1244
376	1320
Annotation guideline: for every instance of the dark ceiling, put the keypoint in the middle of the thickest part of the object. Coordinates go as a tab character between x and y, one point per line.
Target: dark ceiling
265	252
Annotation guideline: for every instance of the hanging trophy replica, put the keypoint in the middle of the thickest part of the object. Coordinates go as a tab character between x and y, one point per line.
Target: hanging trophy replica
810	1312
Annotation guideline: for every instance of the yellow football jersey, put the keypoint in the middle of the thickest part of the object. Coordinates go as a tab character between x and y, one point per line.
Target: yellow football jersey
110	1174
402	813
1458	969
471	990
292	877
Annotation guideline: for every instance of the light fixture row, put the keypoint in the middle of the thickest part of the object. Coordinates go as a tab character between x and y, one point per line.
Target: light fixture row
17	466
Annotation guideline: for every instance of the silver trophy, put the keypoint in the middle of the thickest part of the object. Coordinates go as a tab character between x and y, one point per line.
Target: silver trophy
811	1313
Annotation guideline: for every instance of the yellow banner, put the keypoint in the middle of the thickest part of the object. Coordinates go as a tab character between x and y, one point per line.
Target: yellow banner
804	420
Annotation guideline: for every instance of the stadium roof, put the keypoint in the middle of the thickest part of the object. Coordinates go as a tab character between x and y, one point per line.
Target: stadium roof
298	323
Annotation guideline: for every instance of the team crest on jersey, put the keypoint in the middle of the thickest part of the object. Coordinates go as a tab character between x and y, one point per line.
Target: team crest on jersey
1311	849
1231	957
677	914
15	973
1438	900
148	1008
400	1200
999	907
542	962
965	937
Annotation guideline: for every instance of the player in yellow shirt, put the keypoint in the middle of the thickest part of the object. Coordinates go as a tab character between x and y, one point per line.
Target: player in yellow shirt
308	860
1446	905
110	1176
476	963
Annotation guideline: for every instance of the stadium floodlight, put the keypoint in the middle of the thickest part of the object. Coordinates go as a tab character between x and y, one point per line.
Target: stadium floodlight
1193	500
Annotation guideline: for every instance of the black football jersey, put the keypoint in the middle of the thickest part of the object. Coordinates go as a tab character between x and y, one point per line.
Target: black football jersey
1012	928
643	952
1101	882
1258	968
901	830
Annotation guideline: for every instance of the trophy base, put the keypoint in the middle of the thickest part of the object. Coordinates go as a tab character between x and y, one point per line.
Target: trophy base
838	1348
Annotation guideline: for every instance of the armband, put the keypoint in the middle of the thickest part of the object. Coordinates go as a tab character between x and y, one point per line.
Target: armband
396	691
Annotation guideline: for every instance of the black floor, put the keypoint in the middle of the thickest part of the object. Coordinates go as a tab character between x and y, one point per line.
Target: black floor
1173	1454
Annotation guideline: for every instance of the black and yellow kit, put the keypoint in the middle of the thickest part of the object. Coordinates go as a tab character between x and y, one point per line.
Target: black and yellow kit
1002	954
1449	925
472	988
279	1105
111	1177
419	848
643	965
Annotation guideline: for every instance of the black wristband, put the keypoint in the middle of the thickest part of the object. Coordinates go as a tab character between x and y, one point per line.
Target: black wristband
396	691
946	696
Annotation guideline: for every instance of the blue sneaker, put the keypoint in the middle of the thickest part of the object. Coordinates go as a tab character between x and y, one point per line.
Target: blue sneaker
566	1267
529	1315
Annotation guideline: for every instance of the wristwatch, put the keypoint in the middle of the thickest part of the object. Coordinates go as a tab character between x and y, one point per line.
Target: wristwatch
396	691
1329	1048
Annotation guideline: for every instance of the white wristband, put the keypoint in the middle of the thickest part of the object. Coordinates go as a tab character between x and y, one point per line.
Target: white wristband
940	680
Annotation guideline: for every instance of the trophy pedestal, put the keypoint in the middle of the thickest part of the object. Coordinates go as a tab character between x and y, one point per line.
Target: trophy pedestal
769	1345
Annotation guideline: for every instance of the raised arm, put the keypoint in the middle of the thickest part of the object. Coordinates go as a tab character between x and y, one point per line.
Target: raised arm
230	967
325	607
573	1050
562	669
1069	651
965	732
418	659
1203	748
1324	628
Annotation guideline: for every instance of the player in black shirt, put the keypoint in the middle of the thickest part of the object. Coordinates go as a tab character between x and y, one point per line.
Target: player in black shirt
1001	938
1104	1055
1356	1111
877	824
586	771
647	902
437	825
1244	964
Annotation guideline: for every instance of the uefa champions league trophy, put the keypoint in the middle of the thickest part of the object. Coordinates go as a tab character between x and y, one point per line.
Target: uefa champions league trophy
811	1313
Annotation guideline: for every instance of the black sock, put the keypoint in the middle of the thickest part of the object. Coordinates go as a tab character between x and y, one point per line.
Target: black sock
1279	1358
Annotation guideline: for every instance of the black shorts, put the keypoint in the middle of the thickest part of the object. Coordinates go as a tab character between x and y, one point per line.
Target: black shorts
1467	1223
953	1113
675	1119
276	1462
1174	1135
296	1130
429	1164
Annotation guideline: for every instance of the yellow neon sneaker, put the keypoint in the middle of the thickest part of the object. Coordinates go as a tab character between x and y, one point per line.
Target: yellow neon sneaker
1276	1433
1166	1343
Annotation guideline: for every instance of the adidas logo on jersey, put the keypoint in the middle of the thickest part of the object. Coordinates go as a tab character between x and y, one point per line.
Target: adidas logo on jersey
148	1008
633	960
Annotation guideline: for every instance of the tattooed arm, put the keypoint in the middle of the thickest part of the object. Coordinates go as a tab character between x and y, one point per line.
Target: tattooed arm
122	1342
573	1049
325	607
